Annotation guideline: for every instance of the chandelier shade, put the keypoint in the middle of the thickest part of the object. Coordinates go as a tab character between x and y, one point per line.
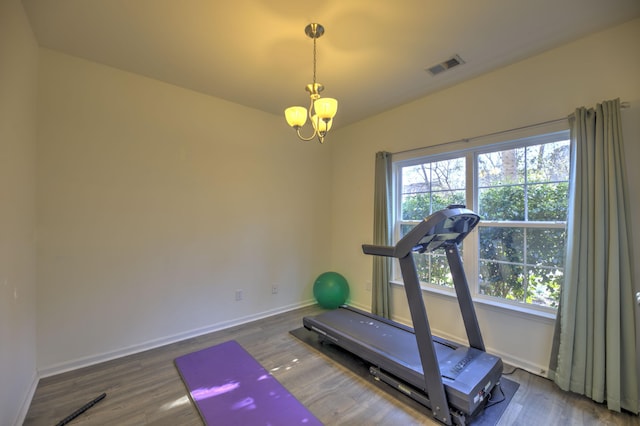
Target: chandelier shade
296	116
321	110
326	107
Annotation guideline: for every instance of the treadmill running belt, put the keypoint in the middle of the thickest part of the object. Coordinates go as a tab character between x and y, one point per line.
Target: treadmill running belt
394	342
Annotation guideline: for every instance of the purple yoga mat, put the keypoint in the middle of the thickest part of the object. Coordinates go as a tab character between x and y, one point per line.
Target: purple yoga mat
230	387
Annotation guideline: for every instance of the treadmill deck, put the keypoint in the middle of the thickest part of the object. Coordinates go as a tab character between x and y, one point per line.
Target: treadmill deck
468	374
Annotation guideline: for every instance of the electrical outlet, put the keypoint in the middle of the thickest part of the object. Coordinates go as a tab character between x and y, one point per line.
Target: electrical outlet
367	285
274	289
238	295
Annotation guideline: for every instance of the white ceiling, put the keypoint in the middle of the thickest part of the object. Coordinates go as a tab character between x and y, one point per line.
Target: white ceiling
372	56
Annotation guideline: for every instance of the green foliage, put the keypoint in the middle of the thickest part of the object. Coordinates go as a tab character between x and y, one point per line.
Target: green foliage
520	263
548	201
420	205
524	264
433	268
502	203
416	206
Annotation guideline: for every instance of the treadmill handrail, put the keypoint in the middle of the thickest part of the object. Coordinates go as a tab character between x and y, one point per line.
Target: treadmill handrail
388	251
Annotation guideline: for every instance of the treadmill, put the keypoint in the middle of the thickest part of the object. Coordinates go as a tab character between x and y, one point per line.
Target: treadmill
454	381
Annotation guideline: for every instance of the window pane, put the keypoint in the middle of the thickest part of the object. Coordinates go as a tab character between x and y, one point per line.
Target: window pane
548	162
415	206
548	202
440	271
419	206
545	247
433	268
415	179
502	280
501	203
429	187
544	286
501	258
503	264
441	200
501	167
422	266
498	244
448	175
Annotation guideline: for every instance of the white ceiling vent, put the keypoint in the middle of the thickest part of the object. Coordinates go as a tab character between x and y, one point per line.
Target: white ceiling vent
446	65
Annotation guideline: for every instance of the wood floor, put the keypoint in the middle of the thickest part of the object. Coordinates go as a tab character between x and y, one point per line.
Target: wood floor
145	388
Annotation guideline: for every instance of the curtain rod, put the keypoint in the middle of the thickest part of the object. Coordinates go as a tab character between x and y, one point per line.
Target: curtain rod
623	105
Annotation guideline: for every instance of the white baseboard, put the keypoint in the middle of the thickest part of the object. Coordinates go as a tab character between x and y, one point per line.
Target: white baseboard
361	307
75	364
26	403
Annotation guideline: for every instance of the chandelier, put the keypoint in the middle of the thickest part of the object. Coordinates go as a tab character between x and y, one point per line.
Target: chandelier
321	110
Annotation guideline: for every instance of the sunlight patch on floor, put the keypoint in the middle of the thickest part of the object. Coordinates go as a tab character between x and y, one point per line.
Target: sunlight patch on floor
177	403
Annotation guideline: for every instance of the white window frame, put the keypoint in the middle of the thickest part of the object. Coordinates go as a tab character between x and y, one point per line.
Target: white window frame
552	132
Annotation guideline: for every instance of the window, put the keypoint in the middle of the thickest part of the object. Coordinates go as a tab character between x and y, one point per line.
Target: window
427	187
520	190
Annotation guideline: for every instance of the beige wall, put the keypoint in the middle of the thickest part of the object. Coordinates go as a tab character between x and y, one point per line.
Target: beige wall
155	204
549	86
18	83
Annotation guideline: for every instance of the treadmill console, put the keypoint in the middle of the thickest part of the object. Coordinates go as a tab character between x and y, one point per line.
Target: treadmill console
441	229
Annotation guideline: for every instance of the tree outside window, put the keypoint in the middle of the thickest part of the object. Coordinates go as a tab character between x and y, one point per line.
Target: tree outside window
522	199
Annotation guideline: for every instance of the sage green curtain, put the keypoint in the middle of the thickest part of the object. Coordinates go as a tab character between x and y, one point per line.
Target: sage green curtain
596	349
380	303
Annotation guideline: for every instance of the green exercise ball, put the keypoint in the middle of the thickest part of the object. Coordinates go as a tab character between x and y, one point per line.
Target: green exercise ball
331	290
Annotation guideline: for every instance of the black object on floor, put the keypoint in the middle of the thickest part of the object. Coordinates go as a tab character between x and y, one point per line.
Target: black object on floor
81	410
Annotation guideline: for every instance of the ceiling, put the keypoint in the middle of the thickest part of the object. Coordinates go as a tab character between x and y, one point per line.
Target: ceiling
372	57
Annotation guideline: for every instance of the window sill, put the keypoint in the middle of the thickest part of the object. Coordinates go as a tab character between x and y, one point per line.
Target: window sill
532	313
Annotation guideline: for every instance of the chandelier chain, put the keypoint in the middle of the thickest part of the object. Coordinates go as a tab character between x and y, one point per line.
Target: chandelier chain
314	60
